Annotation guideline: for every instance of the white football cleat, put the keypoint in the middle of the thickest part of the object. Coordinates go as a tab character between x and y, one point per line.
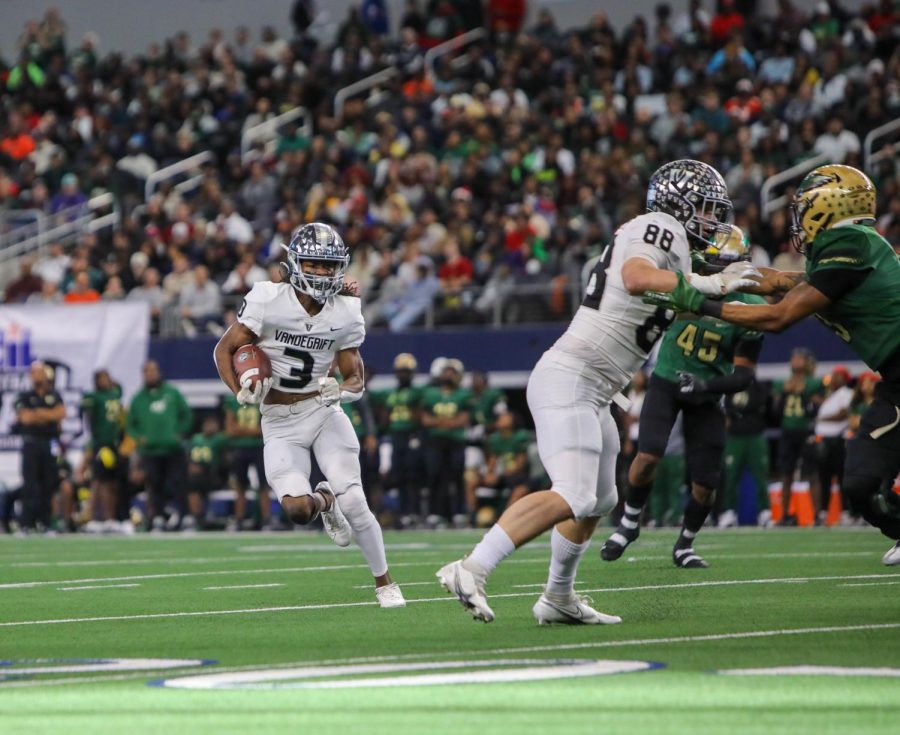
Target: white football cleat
892	557
576	610
468	587
390	596
336	525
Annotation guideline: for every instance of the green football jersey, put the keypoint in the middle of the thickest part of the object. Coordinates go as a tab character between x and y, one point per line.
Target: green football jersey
507	448
484	407
797	410
246	417
703	346
438	403
205	450
352	411
104	409
868	317
400	405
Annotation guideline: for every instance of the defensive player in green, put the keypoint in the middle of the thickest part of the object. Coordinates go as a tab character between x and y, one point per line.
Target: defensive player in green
700	359
106	419
398	413
852	285
245	448
446	412
204	466
798	400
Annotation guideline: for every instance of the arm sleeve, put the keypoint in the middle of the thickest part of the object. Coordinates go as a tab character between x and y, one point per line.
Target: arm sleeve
737	381
835	282
749	347
253	309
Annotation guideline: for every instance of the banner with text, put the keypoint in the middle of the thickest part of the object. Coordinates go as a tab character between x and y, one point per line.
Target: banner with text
76	340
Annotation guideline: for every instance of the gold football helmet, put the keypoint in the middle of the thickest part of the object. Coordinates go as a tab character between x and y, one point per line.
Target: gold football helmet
405	361
728	247
828	195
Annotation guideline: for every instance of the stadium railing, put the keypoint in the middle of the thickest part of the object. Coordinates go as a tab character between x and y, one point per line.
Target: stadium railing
187	165
363	85
99	213
882	133
267	132
448	47
767	203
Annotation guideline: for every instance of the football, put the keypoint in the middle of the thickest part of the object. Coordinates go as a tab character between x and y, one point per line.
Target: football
250	361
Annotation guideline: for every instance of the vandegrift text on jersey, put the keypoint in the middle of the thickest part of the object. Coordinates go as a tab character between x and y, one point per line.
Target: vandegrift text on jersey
307	341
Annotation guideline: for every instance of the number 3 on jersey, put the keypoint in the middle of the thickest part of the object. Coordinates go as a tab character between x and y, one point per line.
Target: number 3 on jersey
303	374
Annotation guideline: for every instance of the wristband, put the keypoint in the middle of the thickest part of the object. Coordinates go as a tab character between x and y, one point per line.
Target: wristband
348	397
711	307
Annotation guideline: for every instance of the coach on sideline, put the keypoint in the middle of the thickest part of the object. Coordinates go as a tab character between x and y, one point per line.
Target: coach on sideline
39	415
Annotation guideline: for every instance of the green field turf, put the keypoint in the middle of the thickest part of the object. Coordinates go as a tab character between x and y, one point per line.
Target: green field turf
771	599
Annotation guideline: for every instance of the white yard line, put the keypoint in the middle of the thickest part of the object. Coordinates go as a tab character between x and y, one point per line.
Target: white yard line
97	587
672	640
245	586
331	605
871	584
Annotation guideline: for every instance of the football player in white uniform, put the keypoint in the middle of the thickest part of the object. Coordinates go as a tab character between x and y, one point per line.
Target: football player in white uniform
572	385
304	326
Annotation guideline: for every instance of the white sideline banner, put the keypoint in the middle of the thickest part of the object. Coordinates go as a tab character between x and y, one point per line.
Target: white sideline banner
76	340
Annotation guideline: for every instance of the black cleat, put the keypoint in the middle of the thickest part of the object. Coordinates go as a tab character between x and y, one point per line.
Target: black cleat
687	558
616	544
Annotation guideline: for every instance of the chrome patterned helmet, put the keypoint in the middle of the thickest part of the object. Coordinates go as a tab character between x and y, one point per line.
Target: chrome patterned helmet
317	243
695	194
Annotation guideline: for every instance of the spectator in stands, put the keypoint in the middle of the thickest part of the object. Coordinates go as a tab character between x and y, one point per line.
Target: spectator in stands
246	273
115	289
832	421
151	293
80	291
70	199
26	285
49	294
16	144
725	22
838	143
259	196
200	304
178	278
158	421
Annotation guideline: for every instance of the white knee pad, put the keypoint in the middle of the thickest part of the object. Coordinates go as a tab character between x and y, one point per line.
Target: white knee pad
356	509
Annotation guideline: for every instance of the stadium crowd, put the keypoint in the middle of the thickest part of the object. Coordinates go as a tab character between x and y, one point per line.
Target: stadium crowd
449	449
506	165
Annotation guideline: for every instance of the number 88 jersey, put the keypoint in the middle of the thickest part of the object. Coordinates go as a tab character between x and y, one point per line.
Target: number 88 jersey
614	331
301	346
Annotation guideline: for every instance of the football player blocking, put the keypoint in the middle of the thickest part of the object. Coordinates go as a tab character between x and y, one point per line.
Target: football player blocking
303	327
852	285
700	360
573	383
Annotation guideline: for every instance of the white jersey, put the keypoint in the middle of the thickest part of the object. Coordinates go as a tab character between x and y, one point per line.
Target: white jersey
614	331
301	346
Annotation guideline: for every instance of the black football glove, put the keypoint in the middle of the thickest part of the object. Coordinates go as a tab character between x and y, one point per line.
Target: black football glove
690	384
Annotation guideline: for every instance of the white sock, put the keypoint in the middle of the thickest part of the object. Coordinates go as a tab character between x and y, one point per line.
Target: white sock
492	549
564	558
371	543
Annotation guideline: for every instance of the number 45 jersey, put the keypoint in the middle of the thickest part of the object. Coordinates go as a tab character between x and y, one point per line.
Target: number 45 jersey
301	346
614	331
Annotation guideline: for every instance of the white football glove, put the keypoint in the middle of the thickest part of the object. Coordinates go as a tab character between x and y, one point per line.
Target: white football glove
247	396
329	391
733	278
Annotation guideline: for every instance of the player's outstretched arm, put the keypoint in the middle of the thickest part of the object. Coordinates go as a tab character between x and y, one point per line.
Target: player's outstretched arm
799	303
775	282
237	335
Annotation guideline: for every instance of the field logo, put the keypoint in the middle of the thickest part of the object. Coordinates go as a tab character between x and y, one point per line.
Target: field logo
418	674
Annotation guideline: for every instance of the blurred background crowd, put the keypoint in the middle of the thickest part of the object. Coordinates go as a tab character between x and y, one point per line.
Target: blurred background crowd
503	168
